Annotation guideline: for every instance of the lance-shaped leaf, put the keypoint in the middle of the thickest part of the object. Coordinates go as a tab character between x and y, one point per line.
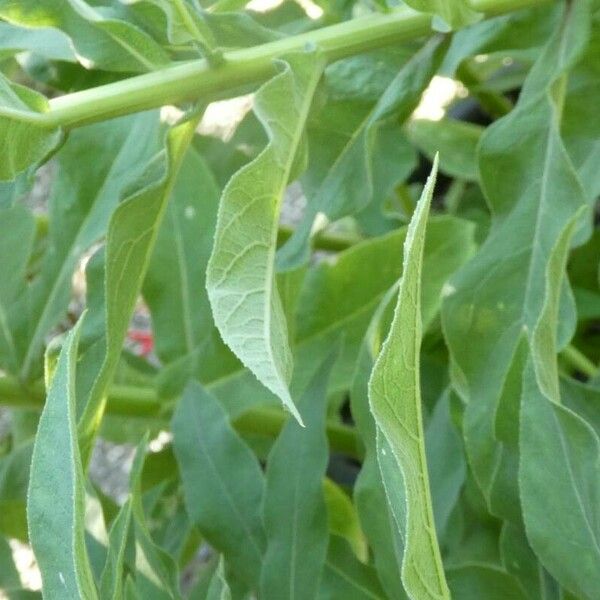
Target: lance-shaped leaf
295	512
84	196
348	184
473	582
500	291
241	272
559	452
222	481
100	38
56	497
25	137
130	241
395	398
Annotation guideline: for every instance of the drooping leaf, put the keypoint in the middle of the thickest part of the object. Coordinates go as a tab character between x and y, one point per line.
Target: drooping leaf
295	513
222	481
56	497
240	276
395	400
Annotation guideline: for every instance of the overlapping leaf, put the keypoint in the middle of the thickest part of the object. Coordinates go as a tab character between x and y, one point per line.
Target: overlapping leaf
240	278
295	513
500	291
347	185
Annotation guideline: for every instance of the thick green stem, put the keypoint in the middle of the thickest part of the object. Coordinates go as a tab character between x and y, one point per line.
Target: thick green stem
199	79
142	402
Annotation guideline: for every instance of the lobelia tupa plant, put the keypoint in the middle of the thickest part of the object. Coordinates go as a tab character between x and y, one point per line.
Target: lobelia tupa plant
367	385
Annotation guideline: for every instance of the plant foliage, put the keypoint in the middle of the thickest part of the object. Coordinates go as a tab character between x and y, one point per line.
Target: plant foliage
392	392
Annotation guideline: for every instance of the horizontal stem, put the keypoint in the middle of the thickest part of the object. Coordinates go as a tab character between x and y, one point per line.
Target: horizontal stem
142	402
199	79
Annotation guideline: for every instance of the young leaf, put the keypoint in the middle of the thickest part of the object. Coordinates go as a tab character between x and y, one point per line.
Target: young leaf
394	394
559	452
56	496
222	481
240	277
295	512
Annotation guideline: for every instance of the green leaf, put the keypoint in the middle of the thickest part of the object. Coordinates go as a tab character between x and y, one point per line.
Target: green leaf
111	580
16	244
130	241
26	140
240	277
343	518
473	582
56	496
156	571
47	42
219	588
500	292
456	142
347	184
395	399
559	451
101	40
174	287
295	512
222	480
346	577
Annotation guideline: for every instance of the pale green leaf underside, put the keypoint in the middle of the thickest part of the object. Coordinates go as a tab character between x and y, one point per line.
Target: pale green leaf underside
240	278
394	394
